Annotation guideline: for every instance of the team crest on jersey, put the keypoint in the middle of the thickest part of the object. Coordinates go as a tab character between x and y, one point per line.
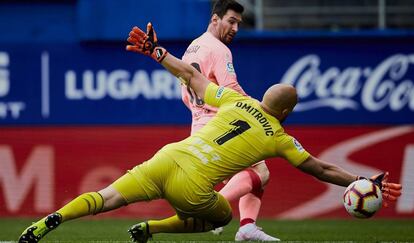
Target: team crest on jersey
219	92
297	145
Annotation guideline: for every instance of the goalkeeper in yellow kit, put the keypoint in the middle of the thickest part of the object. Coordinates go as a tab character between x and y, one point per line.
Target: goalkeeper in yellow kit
185	173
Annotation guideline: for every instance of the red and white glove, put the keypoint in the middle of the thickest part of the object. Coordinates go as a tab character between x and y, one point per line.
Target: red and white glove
390	191
146	43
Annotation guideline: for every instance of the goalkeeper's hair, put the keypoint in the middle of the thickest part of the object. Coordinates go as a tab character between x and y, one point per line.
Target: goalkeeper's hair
221	7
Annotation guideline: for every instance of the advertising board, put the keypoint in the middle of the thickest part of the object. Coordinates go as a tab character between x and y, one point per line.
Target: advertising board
338	81
41	174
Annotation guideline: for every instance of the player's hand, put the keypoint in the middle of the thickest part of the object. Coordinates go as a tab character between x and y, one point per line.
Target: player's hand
390	191
146	43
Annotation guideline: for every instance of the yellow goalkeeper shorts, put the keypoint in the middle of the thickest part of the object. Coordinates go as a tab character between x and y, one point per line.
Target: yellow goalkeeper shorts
190	195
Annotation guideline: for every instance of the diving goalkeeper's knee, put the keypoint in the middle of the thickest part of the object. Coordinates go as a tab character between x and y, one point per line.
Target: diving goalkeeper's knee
89	203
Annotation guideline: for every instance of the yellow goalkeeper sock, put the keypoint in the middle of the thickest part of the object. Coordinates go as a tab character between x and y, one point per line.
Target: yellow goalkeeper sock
175	225
90	203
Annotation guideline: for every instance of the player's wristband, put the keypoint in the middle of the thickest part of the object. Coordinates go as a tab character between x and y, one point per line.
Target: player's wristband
159	53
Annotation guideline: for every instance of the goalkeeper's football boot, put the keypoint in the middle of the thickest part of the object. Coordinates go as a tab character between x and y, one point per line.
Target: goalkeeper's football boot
38	230
250	232
140	232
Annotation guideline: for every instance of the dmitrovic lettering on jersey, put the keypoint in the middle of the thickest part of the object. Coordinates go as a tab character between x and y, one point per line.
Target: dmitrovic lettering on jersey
241	134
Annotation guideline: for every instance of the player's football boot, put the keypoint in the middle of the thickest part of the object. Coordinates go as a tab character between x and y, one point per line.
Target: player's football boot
250	232
217	231
38	230
140	232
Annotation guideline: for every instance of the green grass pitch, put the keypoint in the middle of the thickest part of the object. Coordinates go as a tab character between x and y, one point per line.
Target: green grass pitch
114	230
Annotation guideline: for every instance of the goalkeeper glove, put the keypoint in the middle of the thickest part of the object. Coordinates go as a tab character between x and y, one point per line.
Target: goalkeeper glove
146	43
390	191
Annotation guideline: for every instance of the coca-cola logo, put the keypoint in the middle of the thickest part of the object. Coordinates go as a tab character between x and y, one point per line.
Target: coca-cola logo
373	88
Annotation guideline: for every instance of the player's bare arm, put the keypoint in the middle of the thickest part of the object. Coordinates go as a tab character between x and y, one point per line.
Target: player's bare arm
147	44
331	173
327	172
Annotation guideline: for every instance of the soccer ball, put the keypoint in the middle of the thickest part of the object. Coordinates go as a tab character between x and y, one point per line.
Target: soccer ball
362	198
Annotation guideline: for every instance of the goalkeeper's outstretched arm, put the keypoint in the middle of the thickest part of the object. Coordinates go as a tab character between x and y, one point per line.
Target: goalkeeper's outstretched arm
147	44
327	172
331	173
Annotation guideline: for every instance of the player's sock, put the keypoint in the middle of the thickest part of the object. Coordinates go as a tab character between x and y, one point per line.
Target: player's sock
175	225
89	203
245	221
85	204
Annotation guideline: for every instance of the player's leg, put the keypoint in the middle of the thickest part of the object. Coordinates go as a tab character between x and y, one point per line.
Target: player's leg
215	215
250	203
89	203
235	188
250	183
248	186
249	206
131	187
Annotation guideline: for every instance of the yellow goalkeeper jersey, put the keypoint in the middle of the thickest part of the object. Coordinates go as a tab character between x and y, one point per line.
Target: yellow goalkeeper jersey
240	134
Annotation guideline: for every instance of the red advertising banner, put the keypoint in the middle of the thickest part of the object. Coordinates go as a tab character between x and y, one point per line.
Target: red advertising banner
42	168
